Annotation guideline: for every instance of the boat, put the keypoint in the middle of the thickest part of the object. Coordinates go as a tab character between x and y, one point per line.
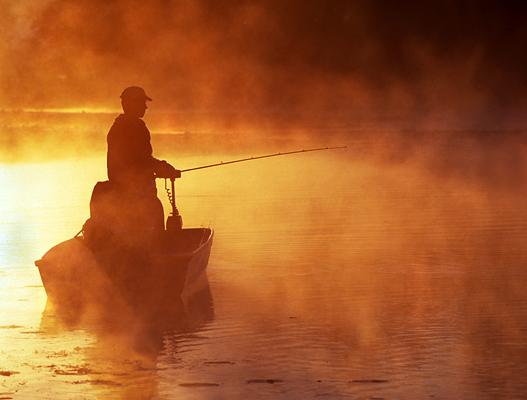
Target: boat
98	268
95	271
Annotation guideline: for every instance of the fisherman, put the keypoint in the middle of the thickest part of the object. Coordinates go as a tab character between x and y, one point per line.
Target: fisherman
128	200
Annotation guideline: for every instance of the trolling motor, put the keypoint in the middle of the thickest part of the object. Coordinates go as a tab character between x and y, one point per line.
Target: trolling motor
174	220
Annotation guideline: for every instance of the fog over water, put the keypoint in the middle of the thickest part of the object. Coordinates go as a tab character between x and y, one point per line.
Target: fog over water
393	268
273	69
446	63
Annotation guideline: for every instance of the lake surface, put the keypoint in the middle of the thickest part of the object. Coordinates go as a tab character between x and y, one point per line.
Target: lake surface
334	274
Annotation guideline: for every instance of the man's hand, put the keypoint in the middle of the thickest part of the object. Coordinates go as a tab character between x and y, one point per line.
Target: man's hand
165	170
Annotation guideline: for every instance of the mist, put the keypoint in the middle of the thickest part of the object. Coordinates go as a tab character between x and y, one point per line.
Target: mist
446	63
441	86
396	261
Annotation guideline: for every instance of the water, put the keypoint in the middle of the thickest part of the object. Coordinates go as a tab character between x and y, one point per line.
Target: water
332	275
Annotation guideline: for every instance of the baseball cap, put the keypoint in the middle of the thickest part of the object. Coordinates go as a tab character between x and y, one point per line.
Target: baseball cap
135	92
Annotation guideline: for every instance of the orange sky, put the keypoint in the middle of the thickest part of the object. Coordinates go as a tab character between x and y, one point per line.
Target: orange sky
453	59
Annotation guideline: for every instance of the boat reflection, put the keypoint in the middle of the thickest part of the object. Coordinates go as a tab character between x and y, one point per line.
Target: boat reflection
131	335
117	356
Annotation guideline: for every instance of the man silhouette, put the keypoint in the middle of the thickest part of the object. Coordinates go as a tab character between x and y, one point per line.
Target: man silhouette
127	203
129	160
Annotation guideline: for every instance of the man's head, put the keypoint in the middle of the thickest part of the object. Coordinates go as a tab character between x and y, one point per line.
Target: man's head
133	100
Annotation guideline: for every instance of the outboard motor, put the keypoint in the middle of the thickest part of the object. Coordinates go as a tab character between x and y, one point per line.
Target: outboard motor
174	221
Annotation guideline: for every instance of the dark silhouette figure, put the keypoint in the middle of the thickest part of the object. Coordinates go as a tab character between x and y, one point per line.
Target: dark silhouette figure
126	205
130	160
125	259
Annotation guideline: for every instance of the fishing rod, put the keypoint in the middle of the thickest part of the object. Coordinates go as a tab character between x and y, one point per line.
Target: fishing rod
175	222
260	157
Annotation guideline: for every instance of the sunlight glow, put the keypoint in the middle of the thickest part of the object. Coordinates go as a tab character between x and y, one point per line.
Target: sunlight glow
71	110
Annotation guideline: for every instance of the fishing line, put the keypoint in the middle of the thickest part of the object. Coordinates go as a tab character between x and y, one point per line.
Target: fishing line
260	157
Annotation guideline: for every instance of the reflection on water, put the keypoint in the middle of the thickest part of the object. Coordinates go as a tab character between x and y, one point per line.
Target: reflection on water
329	277
123	352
